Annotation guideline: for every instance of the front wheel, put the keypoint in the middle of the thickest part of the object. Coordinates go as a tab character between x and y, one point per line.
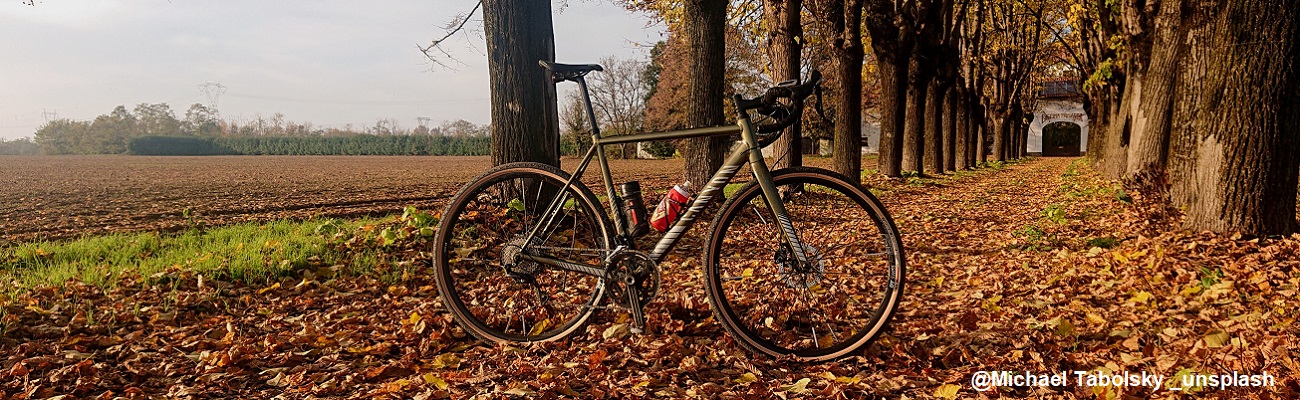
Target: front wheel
826	307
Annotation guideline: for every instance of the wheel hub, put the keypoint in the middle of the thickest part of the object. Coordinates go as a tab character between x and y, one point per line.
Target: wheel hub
512	261
800	275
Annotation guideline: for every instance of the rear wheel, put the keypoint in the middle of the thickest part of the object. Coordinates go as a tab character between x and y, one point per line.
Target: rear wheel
489	289
827	307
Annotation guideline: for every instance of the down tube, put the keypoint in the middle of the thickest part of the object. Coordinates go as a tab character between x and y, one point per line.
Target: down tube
739	155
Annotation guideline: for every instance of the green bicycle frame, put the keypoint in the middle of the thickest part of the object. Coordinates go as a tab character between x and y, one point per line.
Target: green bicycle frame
745	150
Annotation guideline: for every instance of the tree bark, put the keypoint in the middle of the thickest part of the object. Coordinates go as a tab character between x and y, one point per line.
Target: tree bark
525	121
890	44
949	130
1149	139
914	127
1115	151
981	133
1025	120
961	129
705	23
934	110
845	20
1234	162
998	129
783	48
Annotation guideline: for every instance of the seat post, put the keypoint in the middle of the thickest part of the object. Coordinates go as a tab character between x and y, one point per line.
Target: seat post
586	101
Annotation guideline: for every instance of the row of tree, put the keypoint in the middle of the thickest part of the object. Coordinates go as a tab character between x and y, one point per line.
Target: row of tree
113	133
405	145
955	83
21	146
1196	103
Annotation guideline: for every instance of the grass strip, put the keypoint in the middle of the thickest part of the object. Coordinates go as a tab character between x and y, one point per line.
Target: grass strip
243	252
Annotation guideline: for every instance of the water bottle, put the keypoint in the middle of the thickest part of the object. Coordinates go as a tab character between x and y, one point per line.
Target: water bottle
634	209
671	206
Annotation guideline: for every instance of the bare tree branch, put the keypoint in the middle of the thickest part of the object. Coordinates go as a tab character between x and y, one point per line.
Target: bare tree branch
459	24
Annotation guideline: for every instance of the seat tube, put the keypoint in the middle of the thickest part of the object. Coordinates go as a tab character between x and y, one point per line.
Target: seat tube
614	200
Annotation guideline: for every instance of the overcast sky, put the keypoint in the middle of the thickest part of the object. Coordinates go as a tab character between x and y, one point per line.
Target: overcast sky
328	62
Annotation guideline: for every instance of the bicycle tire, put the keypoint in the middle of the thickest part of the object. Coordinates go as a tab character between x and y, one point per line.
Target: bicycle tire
480	226
768	303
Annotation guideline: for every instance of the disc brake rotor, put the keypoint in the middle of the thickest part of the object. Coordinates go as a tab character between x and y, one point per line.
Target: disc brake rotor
800	275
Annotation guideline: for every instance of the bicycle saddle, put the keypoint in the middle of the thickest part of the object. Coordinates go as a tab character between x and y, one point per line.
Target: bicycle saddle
564	72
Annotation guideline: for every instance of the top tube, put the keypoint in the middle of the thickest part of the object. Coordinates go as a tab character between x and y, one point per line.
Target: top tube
722	130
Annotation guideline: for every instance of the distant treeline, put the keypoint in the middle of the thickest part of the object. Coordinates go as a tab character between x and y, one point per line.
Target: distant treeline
22	146
154	129
316	145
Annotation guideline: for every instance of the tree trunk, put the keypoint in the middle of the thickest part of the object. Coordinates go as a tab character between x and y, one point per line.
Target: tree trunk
1021	132
981	133
1149	139
950	128
893	99
891	44
914	128
783	48
1013	137
1234	162
934	126
961	120
1101	109
705	23
998	129
1025	120
525	121
847	51
1115	153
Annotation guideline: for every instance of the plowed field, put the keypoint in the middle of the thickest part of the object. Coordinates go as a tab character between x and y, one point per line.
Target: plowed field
66	196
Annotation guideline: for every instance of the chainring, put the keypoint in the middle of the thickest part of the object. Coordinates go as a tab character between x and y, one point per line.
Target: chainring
644	271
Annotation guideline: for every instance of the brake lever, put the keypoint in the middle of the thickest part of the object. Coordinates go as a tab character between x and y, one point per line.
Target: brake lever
821	112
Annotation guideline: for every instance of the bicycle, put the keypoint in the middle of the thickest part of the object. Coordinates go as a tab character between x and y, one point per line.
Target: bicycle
526	253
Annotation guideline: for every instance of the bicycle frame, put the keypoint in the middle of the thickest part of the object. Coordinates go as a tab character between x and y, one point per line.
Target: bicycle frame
745	150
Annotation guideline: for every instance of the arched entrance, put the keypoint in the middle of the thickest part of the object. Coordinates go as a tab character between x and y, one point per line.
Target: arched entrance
1061	139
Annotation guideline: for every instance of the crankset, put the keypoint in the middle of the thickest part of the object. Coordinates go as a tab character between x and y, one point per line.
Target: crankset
633	277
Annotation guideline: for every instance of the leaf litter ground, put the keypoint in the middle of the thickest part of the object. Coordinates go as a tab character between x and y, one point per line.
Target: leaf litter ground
1036	267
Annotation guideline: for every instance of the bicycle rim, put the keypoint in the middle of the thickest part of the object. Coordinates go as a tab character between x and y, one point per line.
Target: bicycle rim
822	309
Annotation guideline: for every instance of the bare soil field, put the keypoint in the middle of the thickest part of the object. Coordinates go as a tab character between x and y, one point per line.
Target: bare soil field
53	197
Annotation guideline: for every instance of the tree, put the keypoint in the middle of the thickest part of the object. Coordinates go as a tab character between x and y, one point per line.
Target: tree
666	107
1014	38
110	133
840	23
1150	118
784	47
201	121
575	131
618	96
1236	111
156	119
525	122
891	40
705	26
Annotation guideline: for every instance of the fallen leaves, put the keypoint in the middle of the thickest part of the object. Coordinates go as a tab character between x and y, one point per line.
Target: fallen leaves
978	298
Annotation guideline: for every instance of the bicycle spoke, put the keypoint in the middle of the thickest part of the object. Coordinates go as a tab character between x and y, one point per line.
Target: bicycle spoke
494	292
821	307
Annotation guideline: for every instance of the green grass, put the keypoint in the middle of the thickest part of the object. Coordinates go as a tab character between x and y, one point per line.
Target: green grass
245	252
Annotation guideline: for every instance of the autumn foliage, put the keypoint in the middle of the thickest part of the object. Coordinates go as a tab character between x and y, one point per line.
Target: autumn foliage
1038	266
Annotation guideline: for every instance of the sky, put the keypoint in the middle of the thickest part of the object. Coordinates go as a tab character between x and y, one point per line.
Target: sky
327	62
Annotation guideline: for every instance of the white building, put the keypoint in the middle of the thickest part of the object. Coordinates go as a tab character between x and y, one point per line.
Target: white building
1060	125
